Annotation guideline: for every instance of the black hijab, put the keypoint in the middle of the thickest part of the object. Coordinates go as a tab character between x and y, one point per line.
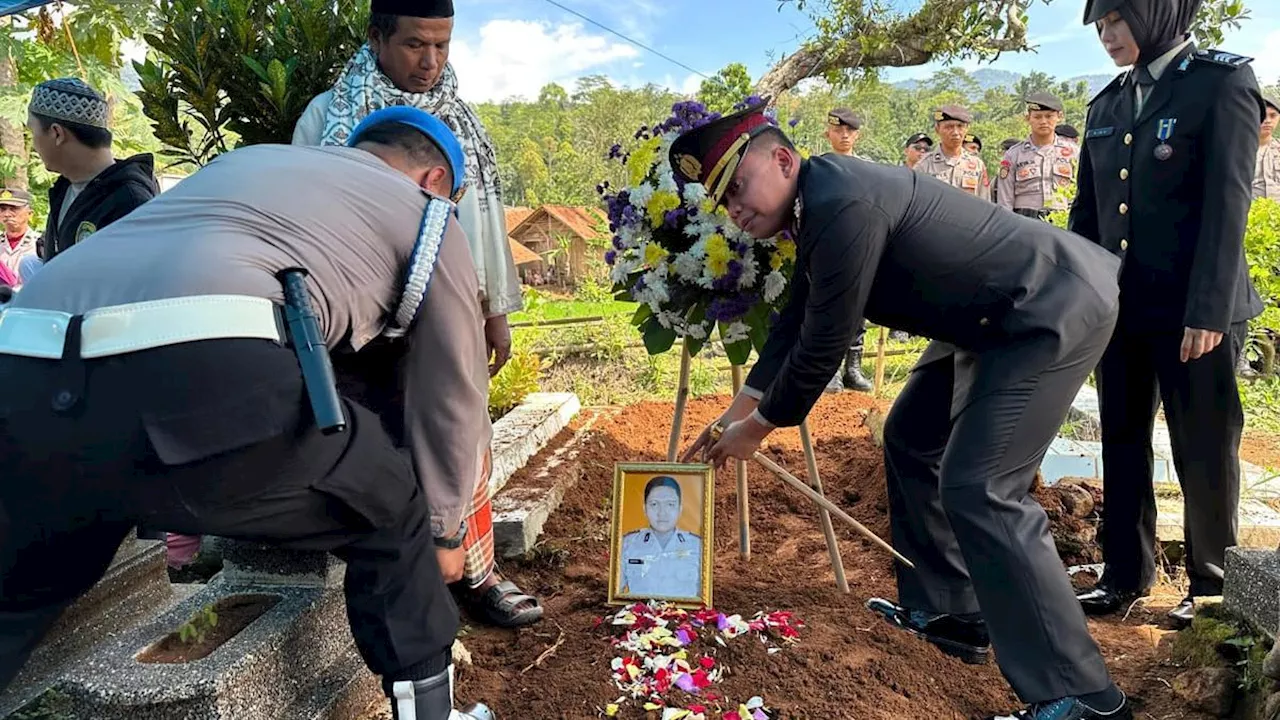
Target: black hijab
1158	26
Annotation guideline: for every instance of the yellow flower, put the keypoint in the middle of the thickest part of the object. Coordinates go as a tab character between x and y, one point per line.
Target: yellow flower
706	207
804	153
641	160
718	255
654	254
661	202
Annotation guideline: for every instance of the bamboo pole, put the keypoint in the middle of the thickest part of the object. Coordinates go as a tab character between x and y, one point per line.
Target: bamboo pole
682	398
878	383
744	498
829	532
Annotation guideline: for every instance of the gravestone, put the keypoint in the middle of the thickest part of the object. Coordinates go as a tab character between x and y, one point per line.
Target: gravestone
296	660
134	588
1252	587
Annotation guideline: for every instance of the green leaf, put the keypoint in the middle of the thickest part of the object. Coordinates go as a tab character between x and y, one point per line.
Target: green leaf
738	352
694	345
658	339
642	313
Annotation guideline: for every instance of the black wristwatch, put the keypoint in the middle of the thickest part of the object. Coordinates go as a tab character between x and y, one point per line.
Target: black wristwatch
455	542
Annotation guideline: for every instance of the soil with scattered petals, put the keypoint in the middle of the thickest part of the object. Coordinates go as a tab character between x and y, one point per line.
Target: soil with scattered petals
848	663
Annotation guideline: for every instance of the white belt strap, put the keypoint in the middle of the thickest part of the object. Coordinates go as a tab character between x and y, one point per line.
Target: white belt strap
121	329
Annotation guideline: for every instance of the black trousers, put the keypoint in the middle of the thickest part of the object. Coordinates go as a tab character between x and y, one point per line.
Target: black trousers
130	452
1141	369
960	509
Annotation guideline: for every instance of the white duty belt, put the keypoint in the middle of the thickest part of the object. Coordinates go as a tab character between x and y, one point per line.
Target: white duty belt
122	329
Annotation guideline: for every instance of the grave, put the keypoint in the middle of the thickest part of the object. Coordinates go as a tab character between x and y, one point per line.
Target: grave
135	588
1253	587
293	658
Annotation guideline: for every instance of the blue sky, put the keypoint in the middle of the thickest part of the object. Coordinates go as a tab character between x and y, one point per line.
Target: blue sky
505	48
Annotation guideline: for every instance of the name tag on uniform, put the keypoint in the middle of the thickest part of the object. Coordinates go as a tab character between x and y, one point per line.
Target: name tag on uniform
634	561
969	182
1028	171
1099	132
1062	169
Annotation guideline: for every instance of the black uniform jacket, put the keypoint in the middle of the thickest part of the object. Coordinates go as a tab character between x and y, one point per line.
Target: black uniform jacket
114	193
1176	216
908	252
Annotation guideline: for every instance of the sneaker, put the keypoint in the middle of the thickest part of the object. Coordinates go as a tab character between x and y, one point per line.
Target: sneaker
1068	708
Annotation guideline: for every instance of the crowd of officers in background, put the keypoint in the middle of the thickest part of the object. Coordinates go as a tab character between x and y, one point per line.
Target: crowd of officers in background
1034	171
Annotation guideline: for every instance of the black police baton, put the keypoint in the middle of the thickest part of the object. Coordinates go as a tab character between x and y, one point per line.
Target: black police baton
313	354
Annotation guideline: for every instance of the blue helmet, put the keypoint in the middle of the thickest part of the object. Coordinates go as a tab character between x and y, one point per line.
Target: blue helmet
428	125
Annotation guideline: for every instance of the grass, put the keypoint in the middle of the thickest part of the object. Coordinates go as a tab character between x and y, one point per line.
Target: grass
560	309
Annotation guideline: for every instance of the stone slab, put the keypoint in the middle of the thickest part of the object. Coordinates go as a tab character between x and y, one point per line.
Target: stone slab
521	433
522	508
1259	523
1068	458
259	674
247	563
134	588
1252	587
342	691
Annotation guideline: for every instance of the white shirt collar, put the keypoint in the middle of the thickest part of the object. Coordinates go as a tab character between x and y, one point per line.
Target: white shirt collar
1160	64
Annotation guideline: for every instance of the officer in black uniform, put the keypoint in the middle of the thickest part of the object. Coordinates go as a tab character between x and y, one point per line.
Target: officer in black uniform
1164	184
1020	313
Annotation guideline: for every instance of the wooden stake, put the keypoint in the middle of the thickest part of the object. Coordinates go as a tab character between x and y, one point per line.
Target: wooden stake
811	466
826	504
878	383
682	398
744	498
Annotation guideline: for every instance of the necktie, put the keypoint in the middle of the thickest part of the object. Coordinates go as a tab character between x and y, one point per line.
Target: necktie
1143	80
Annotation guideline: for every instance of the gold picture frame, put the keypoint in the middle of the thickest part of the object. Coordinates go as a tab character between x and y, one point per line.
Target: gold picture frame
654	552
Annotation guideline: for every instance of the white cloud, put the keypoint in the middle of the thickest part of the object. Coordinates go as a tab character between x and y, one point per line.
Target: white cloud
517	57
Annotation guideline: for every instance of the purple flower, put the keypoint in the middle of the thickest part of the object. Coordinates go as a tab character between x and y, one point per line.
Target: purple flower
615	151
672	218
729	280
610	257
793	122
730	308
617	243
638	286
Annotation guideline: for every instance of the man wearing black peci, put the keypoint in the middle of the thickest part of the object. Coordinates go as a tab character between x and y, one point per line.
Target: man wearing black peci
1020	313
1164	184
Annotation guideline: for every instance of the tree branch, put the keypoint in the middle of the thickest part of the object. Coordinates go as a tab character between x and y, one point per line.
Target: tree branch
940	29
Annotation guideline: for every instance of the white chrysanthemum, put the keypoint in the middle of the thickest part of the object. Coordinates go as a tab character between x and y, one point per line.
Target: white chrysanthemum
737	331
624	266
694	194
687	265
667	181
662	269
774	284
667	319
628	237
750	270
640	195
697	331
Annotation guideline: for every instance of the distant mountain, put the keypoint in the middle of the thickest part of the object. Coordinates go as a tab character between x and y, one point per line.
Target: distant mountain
988	78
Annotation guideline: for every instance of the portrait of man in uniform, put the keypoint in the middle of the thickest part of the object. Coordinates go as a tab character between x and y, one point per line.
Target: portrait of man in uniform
661	515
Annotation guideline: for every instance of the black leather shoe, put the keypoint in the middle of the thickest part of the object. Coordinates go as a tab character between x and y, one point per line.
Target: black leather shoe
1184	613
1103	600
963	639
1068	709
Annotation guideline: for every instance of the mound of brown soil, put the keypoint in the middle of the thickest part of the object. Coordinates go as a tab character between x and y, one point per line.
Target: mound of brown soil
848	663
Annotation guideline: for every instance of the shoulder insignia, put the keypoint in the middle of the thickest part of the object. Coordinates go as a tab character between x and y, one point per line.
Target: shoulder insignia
1004	169
85	230
1117	82
1222	58
422	263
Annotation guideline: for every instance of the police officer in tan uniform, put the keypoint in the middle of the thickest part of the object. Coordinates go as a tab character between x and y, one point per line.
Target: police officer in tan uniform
1033	171
1266	178
951	162
915	148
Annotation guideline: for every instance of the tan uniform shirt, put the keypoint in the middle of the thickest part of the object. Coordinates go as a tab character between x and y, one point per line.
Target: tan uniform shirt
1031	176
1266	178
653	570
11	255
966	172
352	224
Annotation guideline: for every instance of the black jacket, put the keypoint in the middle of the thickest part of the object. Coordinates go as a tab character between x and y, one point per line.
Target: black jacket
107	198
909	252
1175	216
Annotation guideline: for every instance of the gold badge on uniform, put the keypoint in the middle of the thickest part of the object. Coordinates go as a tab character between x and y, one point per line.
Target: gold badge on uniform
690	166
938	116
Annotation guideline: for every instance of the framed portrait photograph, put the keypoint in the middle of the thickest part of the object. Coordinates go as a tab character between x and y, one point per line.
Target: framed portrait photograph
662	533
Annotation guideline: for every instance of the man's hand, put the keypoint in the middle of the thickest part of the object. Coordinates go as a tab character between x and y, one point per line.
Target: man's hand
739	441
742	406
497	340
1197	342
451	563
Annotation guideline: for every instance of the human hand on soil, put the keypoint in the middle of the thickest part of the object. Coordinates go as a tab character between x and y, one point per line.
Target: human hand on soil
1197	342
742	406
740	441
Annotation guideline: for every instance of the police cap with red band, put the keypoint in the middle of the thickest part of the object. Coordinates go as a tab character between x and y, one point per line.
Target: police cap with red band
710	154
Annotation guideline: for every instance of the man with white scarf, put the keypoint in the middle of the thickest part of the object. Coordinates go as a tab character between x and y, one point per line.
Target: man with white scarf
405	62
